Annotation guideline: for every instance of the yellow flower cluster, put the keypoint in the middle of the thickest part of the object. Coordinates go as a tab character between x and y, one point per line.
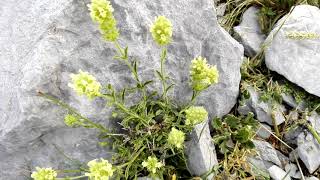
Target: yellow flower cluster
152	164
176	138
70	120
196	115
85	84
101	12
202	74
44	174
161	30
99	170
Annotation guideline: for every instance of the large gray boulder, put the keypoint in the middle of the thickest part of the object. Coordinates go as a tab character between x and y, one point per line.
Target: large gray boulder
297	60
42	42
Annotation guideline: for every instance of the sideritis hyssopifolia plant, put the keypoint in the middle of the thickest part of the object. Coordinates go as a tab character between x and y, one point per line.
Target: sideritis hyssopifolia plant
150	140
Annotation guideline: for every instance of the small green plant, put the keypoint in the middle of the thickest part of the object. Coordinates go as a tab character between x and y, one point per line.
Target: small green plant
150	139
233	130
233	135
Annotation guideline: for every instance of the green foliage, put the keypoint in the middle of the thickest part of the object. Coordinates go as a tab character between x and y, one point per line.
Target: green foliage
233	130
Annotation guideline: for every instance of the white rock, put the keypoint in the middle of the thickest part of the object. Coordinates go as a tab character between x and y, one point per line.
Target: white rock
42	42
293	171
200	151
248	32
309	151
263	110
267	152
262	132
297	60
277	173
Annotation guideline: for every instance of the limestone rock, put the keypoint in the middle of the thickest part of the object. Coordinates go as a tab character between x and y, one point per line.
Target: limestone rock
293	171
267	152
278	174
263	110
262	132
42	42
309	151
248	32
296	59
200	151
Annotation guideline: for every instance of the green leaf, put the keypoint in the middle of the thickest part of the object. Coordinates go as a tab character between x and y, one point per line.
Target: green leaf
169	87
125	52
232	121
147	82
216	123
243	135
159	74
123	93
135	68
249	145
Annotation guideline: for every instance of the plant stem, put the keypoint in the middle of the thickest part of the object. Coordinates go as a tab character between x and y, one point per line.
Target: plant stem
127	111
313	132
73	111
163	77
124	57
275	126
71	178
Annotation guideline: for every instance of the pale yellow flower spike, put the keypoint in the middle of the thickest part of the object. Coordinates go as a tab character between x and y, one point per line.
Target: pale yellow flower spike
44	174
85	84
196	115
161	31
202	74
152	164
176	138
101	12
99	170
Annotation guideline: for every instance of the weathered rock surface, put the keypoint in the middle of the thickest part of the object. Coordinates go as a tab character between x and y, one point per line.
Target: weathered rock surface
297	60
278	174
268	153
309	151
264	131
200	151
259	166
263	110
312	178
42	42
293	171
248	32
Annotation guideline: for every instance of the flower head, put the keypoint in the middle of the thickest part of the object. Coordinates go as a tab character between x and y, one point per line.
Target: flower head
85	84
152	164
44	174
99	170
202	74
70	120
161	30
101	12
196	115
176	138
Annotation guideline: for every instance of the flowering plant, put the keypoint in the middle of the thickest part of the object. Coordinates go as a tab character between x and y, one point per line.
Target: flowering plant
153	131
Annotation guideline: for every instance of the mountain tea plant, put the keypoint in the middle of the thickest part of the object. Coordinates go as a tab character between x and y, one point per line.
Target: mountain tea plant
152	132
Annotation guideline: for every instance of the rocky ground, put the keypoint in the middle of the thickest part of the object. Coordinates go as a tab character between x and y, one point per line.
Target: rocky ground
42	42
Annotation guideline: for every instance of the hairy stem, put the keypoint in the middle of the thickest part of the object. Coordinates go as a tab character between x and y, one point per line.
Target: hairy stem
163	77
73	111
313	132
